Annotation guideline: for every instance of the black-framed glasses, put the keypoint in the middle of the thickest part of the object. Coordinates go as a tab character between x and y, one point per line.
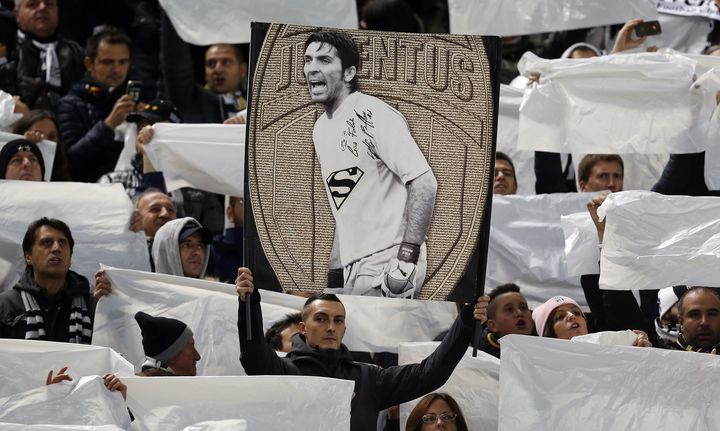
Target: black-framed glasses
432	418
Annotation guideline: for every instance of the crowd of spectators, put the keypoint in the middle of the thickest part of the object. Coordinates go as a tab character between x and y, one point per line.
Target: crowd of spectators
87	81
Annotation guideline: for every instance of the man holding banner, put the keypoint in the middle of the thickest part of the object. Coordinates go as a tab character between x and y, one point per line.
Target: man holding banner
318	351
380	187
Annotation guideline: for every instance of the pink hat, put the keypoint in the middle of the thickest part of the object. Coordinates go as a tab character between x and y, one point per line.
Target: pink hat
540	314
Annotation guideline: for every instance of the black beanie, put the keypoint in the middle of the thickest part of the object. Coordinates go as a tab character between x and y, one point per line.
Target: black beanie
12	147
162	338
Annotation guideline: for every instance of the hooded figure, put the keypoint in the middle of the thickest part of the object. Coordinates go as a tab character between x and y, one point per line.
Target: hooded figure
177	234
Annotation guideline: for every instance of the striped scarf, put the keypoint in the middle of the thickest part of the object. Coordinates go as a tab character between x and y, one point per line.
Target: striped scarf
80	324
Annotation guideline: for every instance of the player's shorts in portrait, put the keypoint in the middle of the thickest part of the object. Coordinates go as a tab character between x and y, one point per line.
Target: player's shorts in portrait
364	276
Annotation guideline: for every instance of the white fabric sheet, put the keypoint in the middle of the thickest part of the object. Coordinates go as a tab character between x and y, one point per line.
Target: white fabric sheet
653	241
550	384
210	310
47	149
208	157
474	385
25	363
98	216
627	103
527	245
507	135
228	21
266	402
8	116
5	426
84	401
518	17
582	253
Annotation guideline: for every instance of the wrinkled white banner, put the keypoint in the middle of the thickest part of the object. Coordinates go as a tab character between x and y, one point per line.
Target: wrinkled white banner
582	254
8	116
266	402
26	363
208	157
210	310
474	385
47	149
527	245
704	8
518	17
84	401
550	384
98	216
652	241
507	136
228	21
627	103
4	426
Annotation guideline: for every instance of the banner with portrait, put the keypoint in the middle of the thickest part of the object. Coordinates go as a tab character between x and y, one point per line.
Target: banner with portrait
370	154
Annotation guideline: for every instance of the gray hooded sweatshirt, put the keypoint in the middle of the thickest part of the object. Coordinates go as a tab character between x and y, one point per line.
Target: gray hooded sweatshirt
166	248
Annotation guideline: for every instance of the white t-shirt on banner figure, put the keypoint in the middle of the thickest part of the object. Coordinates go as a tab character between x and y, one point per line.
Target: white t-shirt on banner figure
380	187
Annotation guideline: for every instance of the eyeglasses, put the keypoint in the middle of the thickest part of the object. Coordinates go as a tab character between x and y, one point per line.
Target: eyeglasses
444	418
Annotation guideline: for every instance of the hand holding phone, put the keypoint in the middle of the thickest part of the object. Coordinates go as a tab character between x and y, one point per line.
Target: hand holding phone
133	89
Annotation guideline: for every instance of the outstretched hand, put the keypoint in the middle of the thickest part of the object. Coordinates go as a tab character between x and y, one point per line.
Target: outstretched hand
481	306
592	207
625	38
61	376
113	383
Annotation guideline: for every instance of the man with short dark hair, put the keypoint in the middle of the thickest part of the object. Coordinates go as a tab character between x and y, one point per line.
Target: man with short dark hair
699	310
598	172
50	302
47	64
279	335
505	182
318	351
380	187
89	115
508	313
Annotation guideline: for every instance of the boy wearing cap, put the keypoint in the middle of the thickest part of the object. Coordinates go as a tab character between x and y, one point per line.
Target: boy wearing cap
169	347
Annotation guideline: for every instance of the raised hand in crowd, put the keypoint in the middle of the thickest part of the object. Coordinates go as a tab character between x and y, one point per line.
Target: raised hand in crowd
244	283
592	207
61	376
481	307
113	383
124	106
102	285
144	136
625	39
642	340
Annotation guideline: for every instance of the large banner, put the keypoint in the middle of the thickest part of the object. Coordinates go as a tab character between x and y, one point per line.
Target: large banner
210	310
208	157
228	21
474	384
26	363
272	403
527	245
645	103
519	17
706	8
652	241
550	384
412	147
98	216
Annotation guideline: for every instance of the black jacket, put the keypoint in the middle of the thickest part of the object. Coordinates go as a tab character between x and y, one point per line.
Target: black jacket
376	388
89	143
56	308
32	88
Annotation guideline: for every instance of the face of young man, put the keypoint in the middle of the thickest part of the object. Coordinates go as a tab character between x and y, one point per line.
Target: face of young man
604	176
111	64
512	315
23	165
223	70
37	17
155	210
50	256
192	255
327	82
505	182
286	336
325	325
184	364
700	324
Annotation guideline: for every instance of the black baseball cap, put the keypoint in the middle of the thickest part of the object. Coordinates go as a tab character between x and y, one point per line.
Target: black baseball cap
156	111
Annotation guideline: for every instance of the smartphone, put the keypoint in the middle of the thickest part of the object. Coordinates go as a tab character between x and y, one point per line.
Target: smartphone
648	28
133	89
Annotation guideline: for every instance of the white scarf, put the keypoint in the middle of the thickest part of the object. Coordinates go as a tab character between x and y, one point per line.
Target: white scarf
49	58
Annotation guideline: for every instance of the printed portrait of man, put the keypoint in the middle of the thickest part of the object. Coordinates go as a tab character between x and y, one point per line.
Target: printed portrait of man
380	187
